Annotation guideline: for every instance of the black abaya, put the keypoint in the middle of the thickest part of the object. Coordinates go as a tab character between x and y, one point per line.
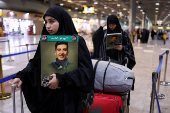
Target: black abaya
127	51
74	85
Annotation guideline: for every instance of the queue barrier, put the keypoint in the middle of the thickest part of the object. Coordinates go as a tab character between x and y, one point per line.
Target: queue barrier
4	95
156	78
164	82
3	41
27	49
9	51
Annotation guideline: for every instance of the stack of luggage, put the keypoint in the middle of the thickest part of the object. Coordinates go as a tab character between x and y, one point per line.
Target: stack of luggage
112	86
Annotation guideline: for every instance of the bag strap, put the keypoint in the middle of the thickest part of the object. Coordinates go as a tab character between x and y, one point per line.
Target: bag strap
95	67
105	75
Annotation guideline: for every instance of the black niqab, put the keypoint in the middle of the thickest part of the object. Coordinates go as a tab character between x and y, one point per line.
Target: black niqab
74	85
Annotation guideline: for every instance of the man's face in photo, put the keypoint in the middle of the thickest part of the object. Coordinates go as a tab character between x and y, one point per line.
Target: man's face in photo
61	52
114	39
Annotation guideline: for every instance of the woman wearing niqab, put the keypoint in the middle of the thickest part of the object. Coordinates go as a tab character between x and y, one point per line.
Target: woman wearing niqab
75	85
99	42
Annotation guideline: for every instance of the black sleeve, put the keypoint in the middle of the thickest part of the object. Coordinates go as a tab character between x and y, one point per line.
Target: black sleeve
128	49
97	40
23	74
83	75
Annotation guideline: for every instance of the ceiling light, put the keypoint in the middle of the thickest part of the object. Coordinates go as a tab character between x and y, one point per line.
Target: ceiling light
136	1
156	8
61	4
139	6
118	5
27	14
103	12
11	13
124	8
76	8
141	10
95	2
113	10
168	14
156	3
69	9
105	7
128	11
156	11
109	14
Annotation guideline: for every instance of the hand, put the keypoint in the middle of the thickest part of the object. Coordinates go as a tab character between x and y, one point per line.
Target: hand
118	47
17	80
53	82
104	23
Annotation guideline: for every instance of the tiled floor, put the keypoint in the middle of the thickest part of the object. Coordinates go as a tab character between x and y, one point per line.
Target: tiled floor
147	61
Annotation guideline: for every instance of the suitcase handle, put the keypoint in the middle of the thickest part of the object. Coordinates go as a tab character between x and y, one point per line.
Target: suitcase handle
14	87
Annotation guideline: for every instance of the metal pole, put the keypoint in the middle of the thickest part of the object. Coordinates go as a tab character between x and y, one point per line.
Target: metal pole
13	87
3	95
9	52
164	82
160	96
27	52
21	98
154	74
14	109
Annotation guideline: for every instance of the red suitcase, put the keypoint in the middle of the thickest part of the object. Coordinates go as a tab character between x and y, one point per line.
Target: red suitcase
106	103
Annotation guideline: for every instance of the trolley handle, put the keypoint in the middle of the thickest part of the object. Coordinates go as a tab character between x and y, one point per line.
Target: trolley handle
14	86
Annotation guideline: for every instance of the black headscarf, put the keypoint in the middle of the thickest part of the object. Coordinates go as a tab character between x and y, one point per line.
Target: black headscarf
66	26
64	20
112	19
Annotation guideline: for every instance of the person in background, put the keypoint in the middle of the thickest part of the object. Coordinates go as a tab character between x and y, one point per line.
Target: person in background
164	38
152	34
133	33
119	52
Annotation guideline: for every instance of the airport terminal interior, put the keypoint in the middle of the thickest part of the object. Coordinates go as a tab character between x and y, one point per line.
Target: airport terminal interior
20	31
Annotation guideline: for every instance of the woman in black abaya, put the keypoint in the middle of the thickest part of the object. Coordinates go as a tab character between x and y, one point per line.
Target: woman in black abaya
120	51
74	85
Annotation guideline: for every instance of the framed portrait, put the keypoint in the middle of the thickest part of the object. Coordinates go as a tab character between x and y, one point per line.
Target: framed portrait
59	54
113	39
